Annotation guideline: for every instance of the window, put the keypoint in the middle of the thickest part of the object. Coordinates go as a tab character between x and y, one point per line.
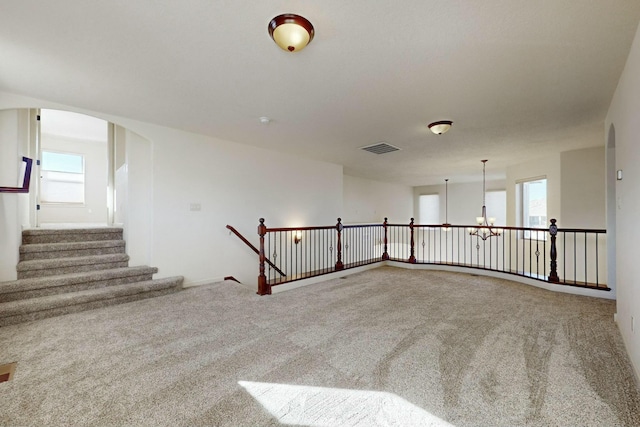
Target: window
62	178
429	209
532	204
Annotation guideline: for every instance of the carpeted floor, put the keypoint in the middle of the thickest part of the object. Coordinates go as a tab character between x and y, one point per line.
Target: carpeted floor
385	347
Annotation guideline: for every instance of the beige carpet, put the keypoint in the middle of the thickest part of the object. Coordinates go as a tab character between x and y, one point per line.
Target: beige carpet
384	347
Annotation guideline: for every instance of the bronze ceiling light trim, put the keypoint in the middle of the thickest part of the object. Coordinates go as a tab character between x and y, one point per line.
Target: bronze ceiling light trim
440	127
291	32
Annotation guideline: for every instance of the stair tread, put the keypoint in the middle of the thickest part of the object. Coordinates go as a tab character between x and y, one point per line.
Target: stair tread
73	278
47	231
69	246
21	307
42	264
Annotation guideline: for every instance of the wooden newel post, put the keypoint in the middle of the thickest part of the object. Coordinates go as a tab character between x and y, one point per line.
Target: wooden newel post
553	275
339	227
385	254
412	258
264	288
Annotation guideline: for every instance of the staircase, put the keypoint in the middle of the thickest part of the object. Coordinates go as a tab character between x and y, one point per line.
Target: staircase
70	270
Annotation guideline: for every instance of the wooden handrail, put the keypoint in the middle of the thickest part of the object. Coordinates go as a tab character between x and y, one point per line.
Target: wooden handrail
323	227
254	249
25	182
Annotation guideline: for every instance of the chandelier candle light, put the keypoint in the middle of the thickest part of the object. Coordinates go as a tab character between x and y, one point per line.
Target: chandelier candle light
484	229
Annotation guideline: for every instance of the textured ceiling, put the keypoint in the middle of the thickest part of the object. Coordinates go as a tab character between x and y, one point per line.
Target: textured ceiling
519	78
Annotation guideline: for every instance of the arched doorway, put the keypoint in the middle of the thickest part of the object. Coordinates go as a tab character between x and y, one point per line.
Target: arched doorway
74	169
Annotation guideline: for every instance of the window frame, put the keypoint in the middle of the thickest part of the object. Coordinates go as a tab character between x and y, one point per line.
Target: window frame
44	170
521	220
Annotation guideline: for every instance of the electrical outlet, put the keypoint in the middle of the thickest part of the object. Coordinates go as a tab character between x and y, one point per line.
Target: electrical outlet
633	324
195	207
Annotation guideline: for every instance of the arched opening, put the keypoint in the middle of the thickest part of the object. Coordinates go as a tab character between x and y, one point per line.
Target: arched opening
74	169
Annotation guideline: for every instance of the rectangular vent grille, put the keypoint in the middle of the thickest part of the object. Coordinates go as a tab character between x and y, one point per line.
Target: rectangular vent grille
381	148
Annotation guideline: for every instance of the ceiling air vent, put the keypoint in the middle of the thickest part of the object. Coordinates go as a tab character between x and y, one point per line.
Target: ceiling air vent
380	148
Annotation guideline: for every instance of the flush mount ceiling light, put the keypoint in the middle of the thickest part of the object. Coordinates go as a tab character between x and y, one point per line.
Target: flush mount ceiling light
291	32
440	127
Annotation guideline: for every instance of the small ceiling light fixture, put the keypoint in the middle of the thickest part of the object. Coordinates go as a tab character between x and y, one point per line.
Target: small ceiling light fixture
440	127
291	32
265	120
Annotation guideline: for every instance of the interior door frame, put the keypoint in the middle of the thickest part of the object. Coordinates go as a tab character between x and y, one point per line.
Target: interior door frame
35	151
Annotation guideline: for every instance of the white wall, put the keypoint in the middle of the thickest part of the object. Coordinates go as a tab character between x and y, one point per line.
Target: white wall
623	114
232	183
582	180
13	207
367	201
465	200
135	199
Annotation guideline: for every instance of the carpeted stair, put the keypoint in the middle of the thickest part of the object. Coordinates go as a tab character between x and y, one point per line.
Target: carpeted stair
69	270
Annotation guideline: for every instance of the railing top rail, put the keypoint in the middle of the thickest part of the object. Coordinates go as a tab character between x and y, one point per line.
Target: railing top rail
241	237
253	248
325	227
502	227
363	225
493	227
582	230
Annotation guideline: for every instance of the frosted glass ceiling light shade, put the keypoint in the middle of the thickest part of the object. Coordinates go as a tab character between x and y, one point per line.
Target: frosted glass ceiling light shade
440	127
291	32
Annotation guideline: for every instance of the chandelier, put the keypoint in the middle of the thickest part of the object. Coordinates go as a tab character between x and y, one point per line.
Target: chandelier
446	226
484	229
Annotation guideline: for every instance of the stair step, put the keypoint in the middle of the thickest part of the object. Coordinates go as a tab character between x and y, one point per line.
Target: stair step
55	305
55	267
35	251
50	285
40	235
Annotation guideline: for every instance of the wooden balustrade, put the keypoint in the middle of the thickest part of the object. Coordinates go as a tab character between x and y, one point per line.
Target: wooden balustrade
553	231
412	250
312	251
339	228
263	287
385	254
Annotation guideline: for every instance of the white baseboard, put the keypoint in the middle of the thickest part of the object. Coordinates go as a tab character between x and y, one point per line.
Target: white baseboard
191	284
574	290
312	280
480	272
